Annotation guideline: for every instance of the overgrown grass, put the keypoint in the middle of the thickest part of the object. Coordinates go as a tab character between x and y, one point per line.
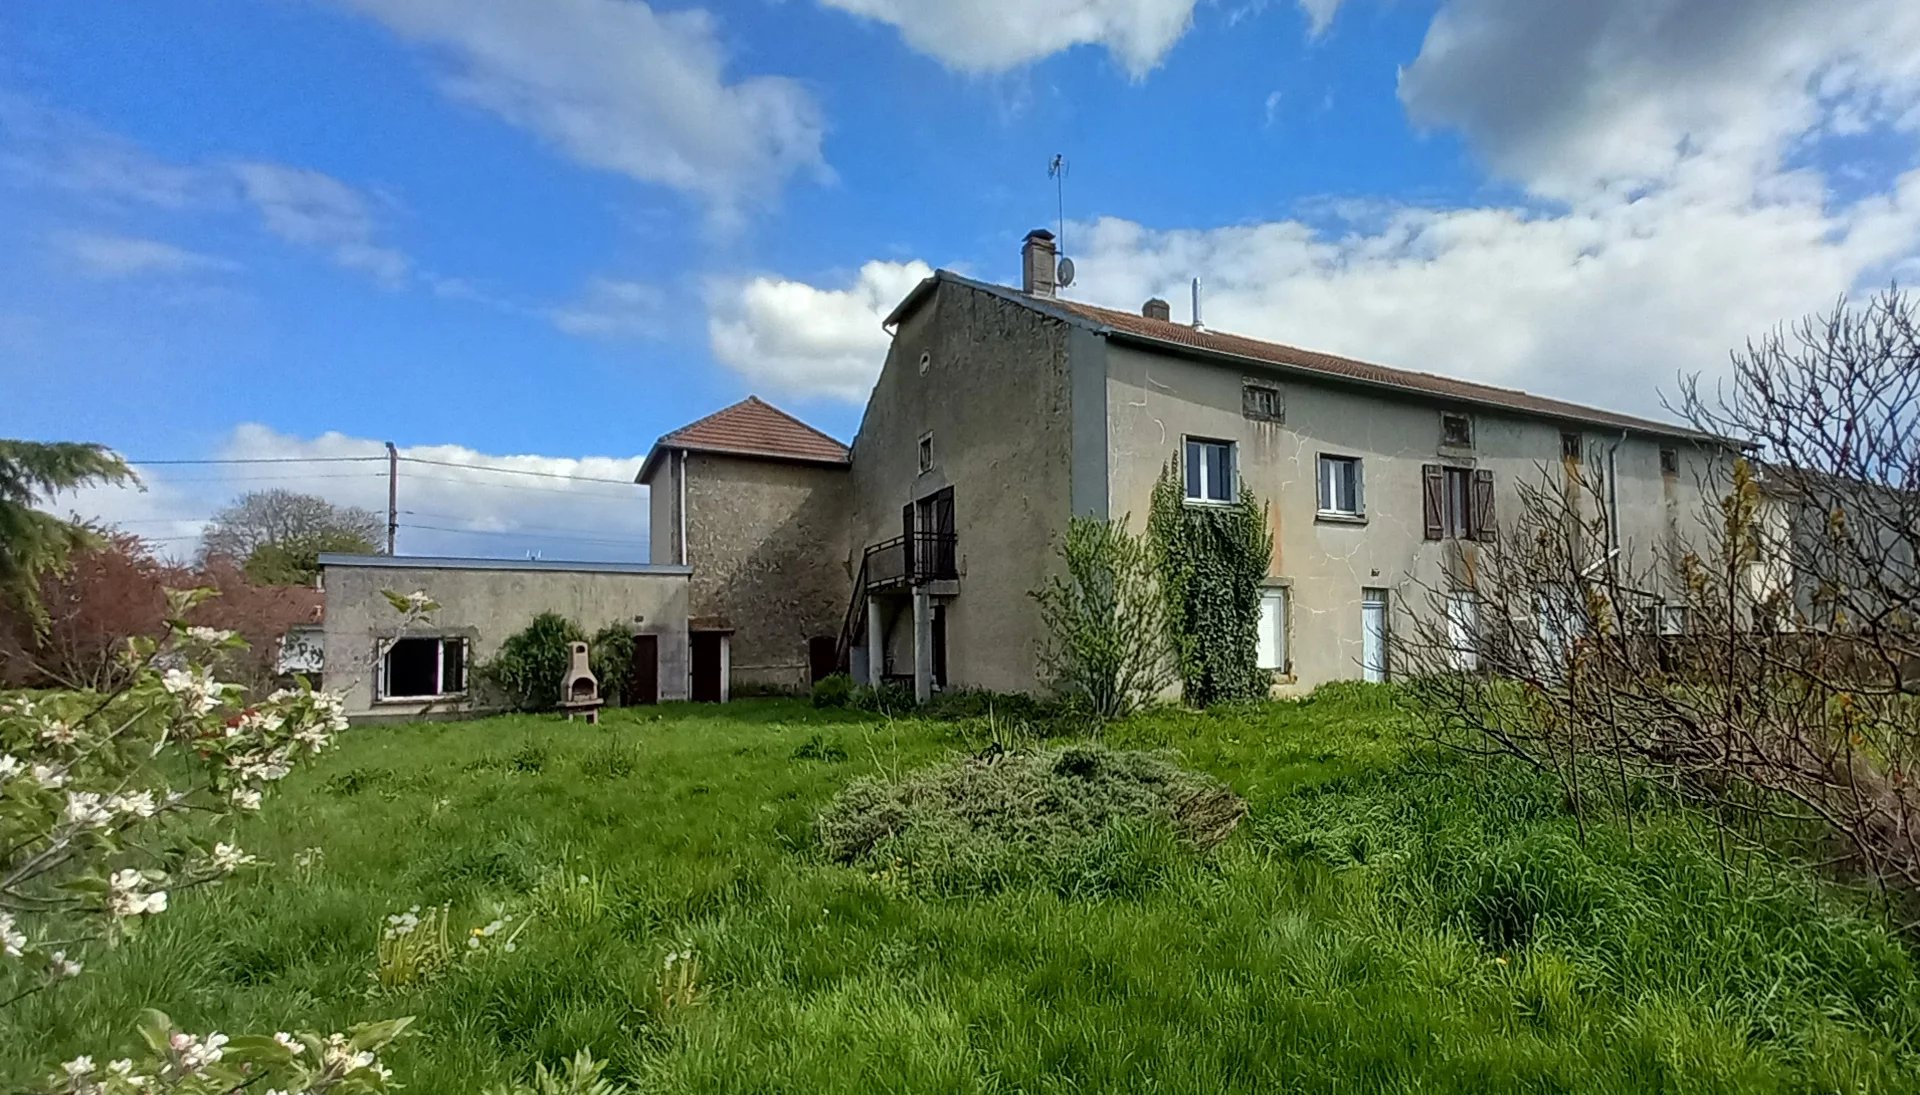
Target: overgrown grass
1382	921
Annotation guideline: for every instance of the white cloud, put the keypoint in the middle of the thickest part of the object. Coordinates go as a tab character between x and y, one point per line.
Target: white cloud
498	515
612	308
616	85
997	35
317	210
1319	15
106	255
801	339
55	148
1618	94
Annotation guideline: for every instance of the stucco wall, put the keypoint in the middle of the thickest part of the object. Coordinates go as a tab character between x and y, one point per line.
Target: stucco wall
487	606
1157	400
996	398
767	541
663	511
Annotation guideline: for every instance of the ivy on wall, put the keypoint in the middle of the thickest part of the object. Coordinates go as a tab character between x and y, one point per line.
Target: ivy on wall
1212	561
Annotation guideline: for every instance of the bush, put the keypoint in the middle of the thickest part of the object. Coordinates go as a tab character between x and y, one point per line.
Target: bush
526	672
1106	621
1084	820
888	699
833	690
611	658
980	703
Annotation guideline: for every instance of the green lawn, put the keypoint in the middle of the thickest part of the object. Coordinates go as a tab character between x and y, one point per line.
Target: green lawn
1383	920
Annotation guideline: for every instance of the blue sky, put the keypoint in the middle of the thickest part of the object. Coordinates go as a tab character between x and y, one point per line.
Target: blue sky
492	228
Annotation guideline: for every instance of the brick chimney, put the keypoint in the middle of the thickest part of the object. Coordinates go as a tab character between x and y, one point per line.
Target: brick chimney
1156	308
1036	263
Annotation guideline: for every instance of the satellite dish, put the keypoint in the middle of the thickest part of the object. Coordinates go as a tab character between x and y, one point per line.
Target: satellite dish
1064	276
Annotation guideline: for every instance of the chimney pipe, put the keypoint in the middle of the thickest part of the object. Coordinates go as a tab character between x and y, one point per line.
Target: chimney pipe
1155	308
1037	263
1196	306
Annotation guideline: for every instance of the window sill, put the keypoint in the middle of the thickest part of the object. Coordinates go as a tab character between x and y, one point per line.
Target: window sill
1334	517
1211	503
413	701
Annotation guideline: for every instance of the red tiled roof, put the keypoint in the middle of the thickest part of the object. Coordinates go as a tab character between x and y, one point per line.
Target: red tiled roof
1446	387
752	427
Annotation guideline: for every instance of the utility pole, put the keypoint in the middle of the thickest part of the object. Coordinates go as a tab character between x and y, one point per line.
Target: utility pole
393	494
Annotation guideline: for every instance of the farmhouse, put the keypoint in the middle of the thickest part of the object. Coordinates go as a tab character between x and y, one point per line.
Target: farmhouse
780	555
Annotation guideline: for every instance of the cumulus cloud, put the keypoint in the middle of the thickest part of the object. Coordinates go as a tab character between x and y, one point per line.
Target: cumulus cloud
804	340
997	35
616	85
457	510
107	255
317	210
1619	94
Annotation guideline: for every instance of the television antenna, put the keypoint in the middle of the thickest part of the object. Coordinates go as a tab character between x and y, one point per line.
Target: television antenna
1057	171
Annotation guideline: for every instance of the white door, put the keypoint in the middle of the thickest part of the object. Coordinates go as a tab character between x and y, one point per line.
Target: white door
1463	628
1373	634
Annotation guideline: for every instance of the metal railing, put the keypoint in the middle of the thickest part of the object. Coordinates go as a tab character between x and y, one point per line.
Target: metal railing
902	561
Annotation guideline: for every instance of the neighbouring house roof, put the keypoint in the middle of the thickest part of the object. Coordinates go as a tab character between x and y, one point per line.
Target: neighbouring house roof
1172	337
753	428
330	559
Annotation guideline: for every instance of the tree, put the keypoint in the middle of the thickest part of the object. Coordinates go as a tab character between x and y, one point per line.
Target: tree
277	535
32	541
1106	646
1766	663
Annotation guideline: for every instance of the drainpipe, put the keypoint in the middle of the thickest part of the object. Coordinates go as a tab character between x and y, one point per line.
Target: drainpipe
683	507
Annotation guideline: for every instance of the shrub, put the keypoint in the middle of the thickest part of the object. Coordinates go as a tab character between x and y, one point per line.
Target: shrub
817	747
609	760
531	757
1084	820
611	658
1106	648
888	699
980	703
526	672
833	690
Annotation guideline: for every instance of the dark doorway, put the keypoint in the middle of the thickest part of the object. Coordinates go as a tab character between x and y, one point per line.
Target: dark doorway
823	657
705	652
940	646
937	521
643	674
906	532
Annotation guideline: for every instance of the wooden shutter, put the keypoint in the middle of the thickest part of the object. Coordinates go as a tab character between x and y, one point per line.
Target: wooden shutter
1484	527
1433	497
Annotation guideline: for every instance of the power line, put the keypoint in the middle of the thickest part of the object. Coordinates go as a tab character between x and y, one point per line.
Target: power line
261	460
277	478
522	535
521	486
516	471
515	528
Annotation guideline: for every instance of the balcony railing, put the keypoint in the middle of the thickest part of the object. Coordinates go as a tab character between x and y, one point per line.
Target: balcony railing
912	560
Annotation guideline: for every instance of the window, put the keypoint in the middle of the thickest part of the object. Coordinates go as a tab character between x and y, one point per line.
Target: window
1458	503
1263	403
1672	619
423	668
1456	431
1342	491
926	362
1669	461
1463	631
1273	629
1457	516
926	453
1570	446
1209	471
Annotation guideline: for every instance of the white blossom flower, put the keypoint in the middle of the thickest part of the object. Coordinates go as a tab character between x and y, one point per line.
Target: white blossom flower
128	895
245	798
88	810
50	777
339	1053
315	738
13	941
228	858
199	693
197	1053
123	1068
10	766
62	967
418	600
78	1067
290	1043
209	635
140	804
59	732
20	705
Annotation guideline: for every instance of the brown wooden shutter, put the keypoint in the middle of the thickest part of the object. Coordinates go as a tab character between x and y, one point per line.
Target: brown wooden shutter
1434	499
1484	527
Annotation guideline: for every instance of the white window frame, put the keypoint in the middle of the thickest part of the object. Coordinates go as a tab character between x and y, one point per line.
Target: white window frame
1273	653
924	452
1328	500
1205	497
383	695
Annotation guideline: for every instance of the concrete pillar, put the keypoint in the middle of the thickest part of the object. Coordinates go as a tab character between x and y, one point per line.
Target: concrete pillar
922	645
876	643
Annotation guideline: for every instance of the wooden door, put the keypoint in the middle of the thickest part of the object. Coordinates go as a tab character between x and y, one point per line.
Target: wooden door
643	673
705	652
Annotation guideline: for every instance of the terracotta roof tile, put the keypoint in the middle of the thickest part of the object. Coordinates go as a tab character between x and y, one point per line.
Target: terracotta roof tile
753	427
1132	323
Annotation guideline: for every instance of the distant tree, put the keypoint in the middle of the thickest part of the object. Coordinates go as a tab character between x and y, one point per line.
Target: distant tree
32	472
103	594
277	535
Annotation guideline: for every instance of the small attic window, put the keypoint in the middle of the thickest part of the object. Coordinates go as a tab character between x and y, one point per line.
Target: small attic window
1570	446
1669	461
1456	431
926	361
1262	402
926	453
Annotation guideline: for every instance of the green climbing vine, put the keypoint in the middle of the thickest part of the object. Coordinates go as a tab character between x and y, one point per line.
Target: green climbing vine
1212	561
